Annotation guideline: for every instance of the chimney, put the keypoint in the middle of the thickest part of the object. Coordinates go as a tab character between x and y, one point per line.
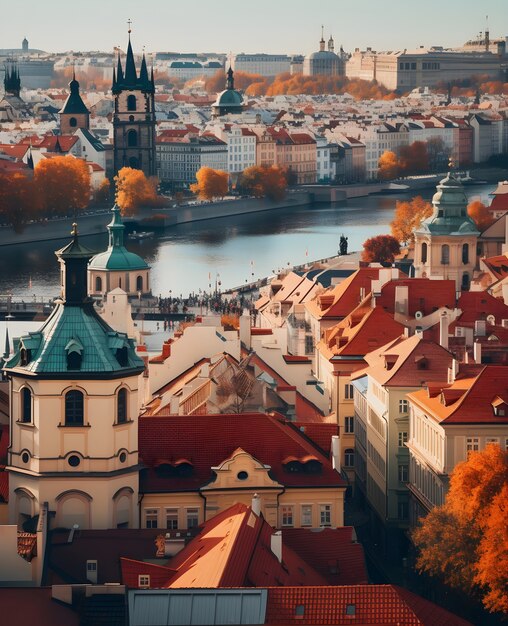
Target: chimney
336	453
245	337
401	299
276	544
166	349
453	371
174	405
362	293
256	504
477	352
205	370
443	330
480	328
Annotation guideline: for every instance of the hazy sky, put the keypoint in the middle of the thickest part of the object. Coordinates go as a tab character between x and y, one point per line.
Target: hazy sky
288	26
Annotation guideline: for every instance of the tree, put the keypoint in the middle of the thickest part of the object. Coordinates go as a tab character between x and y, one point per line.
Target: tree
465	540
210	183
388	165
438	154
264	181
480	214
19	200
408	217
414	158
63	183
380	249
134	189
101	194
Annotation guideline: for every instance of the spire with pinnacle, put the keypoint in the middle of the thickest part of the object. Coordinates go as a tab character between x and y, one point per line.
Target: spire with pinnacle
143	73
322	42
131	76
230	81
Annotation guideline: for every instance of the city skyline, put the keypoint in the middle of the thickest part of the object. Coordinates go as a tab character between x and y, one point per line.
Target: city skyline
104	26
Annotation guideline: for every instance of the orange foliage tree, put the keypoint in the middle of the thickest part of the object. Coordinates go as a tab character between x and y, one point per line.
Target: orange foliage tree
63	183
381	249
210	183
388	165
134	190
19	200
480	214
101	194
414	159
408	217
465	541
264	181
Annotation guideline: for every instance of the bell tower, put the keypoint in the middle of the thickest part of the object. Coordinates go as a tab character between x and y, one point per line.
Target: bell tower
134	115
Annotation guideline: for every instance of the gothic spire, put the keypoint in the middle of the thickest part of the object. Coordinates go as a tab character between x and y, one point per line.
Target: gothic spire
230	82
131	75
143	73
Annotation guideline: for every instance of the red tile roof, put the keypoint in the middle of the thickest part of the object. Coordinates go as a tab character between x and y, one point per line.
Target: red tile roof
369	605
66	142
497	265
319	433
477	305
16	151
207	440
424	295
333	552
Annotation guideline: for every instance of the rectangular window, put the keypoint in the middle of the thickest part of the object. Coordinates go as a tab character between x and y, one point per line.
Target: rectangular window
325	515
491	440
348	391
144	581
349	424
192	518
171	519
403	509
403	473
151	518
287	515
91	566
402	438
306	515
472	445
403	406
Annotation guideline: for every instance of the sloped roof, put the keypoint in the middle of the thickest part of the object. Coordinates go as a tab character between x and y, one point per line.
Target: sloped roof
424	295
74	104
477	305
207	440
383	605
467	400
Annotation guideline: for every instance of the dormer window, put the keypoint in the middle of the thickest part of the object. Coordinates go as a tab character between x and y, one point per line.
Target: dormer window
74	350
122	356
25	356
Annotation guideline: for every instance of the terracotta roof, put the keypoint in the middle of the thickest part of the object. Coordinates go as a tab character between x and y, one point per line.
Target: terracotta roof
319	433
497	265
333	552
362	605
207	440
66	142
27	545
15	151
467	400
362	331
339	301
477	305
424	295
407	362
233	549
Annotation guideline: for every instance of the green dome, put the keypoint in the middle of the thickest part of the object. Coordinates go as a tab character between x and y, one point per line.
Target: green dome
229	97
117	257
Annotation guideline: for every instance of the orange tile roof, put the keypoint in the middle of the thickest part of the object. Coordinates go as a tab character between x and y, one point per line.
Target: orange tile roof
16	151
497	265
368	605
468	400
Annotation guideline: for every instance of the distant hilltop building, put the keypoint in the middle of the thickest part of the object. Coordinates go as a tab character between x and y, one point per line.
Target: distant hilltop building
404	70
187	69
264	64
324	62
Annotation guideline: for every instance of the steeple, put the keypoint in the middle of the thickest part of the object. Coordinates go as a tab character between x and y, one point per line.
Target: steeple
131	76
331	44
116	229
12	81
322	42
143	73
74	104
230	81
74	259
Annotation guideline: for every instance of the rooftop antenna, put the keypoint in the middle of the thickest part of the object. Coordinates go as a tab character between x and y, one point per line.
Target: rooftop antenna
487	34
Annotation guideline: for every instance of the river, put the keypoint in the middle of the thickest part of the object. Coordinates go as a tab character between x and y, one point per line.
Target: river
231	250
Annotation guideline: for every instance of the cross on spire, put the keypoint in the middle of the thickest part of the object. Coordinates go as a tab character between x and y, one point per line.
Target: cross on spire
129	23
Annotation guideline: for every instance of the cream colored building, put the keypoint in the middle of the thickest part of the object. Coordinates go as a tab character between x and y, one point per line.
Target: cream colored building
74	411
445	243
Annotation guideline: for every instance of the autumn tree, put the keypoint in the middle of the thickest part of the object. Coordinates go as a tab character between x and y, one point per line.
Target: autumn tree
19	200
480	214
465	541
102	193
63	183
264	181
134	190
210	183
388	166
408	217
414	158
438	154
381	249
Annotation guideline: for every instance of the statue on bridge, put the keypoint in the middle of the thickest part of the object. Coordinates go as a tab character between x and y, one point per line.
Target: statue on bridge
343	243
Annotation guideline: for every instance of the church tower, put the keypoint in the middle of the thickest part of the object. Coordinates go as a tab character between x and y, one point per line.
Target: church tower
74	412
12	81
74	114
445	243
134	116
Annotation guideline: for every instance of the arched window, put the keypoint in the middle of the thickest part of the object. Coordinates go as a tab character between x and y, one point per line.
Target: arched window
465	253
445	254
132	138
349	458
121	406
26	405
73	122
424	253
139	283
465	281
74	408
98	284
131	103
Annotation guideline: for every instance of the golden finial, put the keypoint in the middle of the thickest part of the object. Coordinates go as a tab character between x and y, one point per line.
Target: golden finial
74	231
451	164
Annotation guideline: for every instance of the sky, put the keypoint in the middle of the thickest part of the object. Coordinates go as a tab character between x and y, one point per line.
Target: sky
274	26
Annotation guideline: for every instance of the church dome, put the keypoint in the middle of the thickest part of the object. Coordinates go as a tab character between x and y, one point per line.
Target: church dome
324	55
117	257
229	97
